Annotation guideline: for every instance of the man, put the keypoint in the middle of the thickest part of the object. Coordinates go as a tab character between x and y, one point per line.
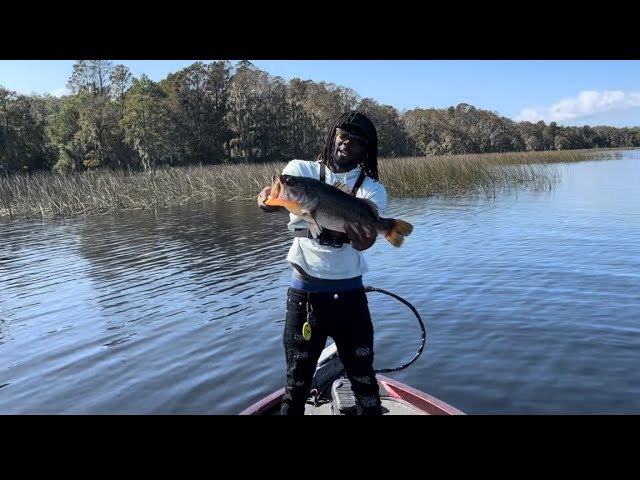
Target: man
326	295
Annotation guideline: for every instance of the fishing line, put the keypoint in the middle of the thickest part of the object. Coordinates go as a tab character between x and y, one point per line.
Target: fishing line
415	312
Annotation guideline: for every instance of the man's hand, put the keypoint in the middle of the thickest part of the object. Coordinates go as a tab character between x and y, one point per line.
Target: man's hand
262	197
362	236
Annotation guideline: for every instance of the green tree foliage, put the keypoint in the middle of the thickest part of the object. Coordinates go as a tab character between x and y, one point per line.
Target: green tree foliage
146	121
98	133
215	112
91	76
197	99
248	96
302	138
120	82
24	145
64	136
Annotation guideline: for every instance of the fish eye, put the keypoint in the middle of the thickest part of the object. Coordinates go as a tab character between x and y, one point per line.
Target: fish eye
289	180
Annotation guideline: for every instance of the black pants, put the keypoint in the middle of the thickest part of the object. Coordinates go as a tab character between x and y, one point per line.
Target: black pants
347	320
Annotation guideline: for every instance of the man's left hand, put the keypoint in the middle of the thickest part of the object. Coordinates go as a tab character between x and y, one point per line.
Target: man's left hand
362	236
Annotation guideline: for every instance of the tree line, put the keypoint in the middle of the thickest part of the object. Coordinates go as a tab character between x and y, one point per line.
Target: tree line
220	113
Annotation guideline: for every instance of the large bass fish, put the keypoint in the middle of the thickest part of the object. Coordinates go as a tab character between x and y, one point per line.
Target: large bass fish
331	206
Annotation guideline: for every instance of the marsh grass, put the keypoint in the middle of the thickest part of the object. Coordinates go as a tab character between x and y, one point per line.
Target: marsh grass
101	192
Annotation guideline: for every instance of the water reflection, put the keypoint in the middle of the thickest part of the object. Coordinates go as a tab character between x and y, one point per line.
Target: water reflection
530	301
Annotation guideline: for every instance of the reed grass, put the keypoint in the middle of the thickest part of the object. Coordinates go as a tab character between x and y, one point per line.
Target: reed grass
102	192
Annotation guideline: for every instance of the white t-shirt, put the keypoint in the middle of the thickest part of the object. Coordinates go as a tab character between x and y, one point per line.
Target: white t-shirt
323	261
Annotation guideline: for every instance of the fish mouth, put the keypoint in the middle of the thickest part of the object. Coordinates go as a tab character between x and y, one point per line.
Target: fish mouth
279	195
279	181
276	187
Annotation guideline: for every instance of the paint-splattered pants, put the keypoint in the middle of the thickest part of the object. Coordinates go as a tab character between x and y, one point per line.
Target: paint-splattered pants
347	320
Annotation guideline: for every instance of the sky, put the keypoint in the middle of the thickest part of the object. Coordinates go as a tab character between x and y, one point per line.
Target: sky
568	92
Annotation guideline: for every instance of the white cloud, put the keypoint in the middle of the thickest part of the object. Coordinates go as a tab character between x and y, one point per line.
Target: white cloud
587	103
59	92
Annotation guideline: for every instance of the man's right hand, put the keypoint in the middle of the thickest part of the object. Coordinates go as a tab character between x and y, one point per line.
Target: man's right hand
262	197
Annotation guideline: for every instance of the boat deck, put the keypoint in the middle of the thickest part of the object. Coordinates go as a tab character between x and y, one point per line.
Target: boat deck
333	395
390	406
392	396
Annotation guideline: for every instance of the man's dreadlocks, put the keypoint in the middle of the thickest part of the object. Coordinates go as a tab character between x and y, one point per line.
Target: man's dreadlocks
354	118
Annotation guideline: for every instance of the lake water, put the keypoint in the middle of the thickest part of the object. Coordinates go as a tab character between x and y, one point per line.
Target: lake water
531	302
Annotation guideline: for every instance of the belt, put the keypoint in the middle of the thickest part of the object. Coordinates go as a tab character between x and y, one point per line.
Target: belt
326	237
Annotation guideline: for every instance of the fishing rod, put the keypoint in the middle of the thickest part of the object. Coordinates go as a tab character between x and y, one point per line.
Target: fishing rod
415	312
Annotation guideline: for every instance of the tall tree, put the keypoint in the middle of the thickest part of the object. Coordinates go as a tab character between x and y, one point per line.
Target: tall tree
120	83
98	121
91	76
146	122
23	142
246	100
197	96
64	133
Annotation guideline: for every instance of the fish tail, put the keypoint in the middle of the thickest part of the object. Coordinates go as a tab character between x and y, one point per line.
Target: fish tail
397	231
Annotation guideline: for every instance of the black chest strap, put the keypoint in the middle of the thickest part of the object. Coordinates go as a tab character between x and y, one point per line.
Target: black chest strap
357	185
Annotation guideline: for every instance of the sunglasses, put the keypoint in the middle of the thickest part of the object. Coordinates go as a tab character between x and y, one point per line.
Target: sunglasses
343	136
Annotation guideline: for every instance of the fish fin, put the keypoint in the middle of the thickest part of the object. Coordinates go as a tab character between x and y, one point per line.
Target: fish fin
342	186
306	215
314	228
399	229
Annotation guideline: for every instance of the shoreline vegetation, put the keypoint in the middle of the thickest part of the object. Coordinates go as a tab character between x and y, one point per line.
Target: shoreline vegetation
100	192
211	131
